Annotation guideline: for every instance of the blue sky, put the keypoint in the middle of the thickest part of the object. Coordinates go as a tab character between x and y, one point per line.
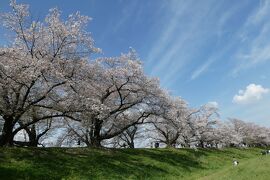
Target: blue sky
204	51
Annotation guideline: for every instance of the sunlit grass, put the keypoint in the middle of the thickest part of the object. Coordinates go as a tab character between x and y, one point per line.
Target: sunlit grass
84	163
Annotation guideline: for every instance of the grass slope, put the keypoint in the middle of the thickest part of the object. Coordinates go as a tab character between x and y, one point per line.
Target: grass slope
84	163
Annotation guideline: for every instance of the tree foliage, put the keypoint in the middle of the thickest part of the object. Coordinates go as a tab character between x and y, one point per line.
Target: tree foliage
49	83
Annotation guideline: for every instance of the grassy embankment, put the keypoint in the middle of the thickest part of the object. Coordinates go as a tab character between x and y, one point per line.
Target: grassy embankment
83	163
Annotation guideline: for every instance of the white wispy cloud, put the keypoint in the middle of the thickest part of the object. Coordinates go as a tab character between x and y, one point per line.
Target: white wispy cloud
185	34
257	55
167	37
251	94
204	67
200	70
217	55
260	14
131	10
172	51
255	47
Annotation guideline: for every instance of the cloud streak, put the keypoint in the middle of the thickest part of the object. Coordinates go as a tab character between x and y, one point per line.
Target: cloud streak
255	46
202	69
172	51
181	42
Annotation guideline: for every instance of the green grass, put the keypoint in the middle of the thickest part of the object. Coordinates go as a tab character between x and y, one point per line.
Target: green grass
84	163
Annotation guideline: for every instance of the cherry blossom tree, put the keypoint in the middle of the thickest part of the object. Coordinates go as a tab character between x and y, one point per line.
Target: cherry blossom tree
250	133
42	59
225	135
116	97
171	124
128	137
203	125
36	131
48	79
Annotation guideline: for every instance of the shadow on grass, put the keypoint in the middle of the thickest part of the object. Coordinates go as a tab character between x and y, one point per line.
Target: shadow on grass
84	163
56	163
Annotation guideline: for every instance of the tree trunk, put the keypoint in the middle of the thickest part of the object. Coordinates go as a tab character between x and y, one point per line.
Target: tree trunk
131	144
6	139
95	135
33	139
95	143
33	143
170	145
201	144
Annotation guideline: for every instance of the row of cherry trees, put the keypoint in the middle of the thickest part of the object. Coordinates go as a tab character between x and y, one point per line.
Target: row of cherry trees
50	88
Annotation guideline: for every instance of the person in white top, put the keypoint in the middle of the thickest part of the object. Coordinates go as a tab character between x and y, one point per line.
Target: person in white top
235	162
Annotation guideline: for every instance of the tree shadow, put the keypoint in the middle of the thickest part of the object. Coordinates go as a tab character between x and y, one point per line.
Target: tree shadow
85	163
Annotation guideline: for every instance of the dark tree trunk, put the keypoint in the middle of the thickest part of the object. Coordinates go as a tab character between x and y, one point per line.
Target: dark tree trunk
201	144
6	139
131	144
33	139
95	139
171	141
95	143
33	143
170	145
